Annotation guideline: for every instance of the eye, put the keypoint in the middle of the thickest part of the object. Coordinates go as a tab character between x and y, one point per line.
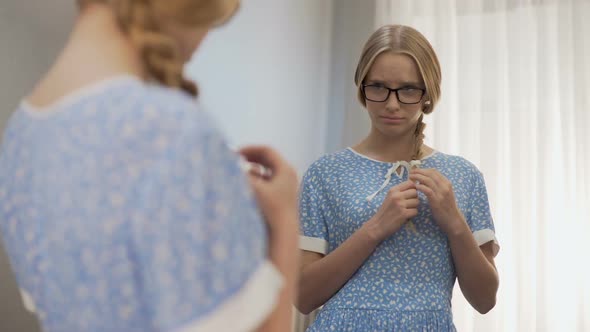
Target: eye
410	95
410	89
376	92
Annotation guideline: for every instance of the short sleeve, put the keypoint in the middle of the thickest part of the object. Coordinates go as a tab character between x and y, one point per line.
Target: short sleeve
314	232
479	216
201	251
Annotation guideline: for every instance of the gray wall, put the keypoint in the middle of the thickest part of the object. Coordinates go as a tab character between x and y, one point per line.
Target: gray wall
353	23
31	34
280	97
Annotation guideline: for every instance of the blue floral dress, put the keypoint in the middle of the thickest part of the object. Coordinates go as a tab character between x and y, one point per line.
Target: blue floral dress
122	209
407	283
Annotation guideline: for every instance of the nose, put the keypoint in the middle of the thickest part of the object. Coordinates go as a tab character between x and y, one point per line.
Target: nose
392	104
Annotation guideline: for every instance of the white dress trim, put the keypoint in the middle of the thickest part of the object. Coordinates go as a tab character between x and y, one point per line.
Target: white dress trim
486	235
313	244
27	300
386	162
76	95
246	310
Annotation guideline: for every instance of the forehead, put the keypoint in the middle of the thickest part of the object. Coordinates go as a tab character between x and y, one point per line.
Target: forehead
394	68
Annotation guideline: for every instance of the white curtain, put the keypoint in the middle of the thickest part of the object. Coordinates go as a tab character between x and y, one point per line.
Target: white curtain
516	102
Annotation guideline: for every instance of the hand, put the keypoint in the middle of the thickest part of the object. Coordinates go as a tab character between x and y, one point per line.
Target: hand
399	206
441	198
277	193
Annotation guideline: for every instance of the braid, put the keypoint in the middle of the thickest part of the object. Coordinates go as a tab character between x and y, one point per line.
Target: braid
419	138
159	52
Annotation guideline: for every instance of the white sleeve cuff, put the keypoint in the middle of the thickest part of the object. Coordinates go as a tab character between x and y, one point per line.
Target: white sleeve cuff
314	244
246	310
486	235
28	302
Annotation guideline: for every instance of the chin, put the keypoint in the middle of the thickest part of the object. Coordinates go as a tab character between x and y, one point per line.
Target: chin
393	132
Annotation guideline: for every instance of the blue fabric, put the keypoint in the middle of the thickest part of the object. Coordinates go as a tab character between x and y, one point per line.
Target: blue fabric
407	283
122	209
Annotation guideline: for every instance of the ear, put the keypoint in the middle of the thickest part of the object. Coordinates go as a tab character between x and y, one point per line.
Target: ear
427	107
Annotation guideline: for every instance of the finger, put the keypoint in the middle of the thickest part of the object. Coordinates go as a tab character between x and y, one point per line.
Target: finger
404	186
259	170
410	213
263	155
412	203
434	174
410	193
256	182
250	167
425	190
424	180
438	178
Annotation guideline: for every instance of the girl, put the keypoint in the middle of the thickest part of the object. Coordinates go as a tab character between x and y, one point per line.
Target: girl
390	223
121	207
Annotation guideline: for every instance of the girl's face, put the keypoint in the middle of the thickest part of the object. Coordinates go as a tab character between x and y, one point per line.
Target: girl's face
389	115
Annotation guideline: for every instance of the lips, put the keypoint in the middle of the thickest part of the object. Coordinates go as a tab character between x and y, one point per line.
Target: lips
391	119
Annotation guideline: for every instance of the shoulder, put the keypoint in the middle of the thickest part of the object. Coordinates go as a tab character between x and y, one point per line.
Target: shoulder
170	108
157	120
455	164
317	175
331	162
460	171
159	130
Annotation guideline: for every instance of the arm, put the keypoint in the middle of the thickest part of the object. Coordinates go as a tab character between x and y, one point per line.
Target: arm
283	254
321	277
475	269
277	199
474	265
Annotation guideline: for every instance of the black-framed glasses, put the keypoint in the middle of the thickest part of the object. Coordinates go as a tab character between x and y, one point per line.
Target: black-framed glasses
405	95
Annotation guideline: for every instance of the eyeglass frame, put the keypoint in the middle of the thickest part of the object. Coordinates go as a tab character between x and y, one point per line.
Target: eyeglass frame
389	91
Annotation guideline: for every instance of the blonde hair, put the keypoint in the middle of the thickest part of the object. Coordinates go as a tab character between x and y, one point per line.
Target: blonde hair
159	52
403	40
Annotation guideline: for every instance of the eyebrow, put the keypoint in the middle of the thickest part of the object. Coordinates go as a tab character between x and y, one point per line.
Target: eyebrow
405	83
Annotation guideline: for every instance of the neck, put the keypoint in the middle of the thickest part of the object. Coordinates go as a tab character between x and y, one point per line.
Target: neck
386	148
98	31
97	47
